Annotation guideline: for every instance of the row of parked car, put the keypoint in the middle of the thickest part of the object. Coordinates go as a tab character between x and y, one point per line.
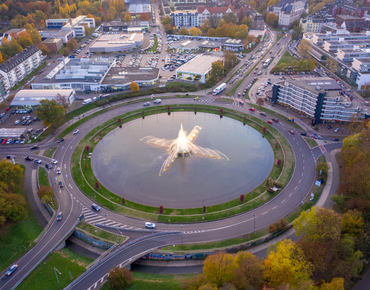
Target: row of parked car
247	88
178	60
135	60
9	141
152	61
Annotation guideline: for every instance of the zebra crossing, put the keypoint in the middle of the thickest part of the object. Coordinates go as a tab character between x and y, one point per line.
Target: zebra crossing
93	218
204	100
235	105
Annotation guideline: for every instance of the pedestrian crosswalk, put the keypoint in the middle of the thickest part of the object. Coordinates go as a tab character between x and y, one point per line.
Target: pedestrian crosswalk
94	218
235	105
209	100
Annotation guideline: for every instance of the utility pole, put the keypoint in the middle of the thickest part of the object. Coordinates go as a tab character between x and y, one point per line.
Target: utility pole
55	271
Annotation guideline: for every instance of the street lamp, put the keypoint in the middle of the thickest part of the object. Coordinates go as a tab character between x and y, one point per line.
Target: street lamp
254	222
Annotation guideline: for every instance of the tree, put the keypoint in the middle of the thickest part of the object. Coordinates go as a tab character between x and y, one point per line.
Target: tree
194	31
286	265
229	59
66	51
12	206
218	268
120	278
211	32
297	31
24	39
271	18
167	20
253	4
183	31
335	284
205	26
353	223
72	44
304	49
45	190
248	272
144	17
247	21
217	68
62	100
168	29
323	167
50	112
221	23
1	58
260	102
332	64
262	7
10	175
231	18
134	86
44	49
46	199
127	17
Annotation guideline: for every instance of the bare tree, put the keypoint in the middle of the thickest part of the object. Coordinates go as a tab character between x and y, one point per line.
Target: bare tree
62	100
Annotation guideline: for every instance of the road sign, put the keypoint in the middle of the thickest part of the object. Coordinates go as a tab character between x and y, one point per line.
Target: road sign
318	182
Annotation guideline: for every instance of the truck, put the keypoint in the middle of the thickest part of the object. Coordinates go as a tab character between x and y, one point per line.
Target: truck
219	89
87	101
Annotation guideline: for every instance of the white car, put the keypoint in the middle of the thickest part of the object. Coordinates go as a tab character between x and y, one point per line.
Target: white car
53	161
58	171
336	130
76	132
157	101
150	225
17	122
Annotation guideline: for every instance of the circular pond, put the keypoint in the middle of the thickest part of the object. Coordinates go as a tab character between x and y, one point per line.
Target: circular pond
128	162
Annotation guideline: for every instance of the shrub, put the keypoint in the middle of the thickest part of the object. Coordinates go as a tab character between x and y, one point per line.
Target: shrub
272	228
161	209
195	108
270	190
277	184
120	126
278	163
264	129
281	224
168	108
204	209
97	185
241	198
45	190
276	145
120	278
86	166
221	111
119	120
123	201
87	148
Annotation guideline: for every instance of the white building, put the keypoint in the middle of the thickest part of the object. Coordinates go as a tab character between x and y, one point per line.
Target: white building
33	97
218	12
20	65
319	98
185	18
291	12
315	24
362	66
320	38
75	24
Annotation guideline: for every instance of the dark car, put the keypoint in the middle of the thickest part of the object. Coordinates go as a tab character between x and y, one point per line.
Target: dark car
60	184
329	127
24	122
60	140
35	147
28	158
10	156
48	166
335	139
275	120
95	207
304	134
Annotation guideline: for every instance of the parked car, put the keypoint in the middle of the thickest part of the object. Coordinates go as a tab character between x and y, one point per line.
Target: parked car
146	104
329	127
95	207
17	122
60	140
304	134
150	225
48	166
53	161
336	130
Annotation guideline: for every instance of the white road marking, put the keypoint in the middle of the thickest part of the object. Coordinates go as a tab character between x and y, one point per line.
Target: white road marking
265	212
299	181
66	176
295	188
62	147
274	207
290	194
283	201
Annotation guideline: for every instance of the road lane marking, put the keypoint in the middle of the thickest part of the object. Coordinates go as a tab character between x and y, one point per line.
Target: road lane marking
71	147
290	194
274	207
265	212
283	201
62	147
299	181
295	188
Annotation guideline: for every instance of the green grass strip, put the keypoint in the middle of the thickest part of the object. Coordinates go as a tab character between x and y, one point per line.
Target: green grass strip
43	177
50	152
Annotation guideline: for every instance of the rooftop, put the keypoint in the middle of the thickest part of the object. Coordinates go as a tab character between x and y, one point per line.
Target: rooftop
363	60
199	64
51	40
15	30
215	9
33	97
126	75
316	84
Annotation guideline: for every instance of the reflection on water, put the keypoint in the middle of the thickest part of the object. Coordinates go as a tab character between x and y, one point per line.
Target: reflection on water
129	167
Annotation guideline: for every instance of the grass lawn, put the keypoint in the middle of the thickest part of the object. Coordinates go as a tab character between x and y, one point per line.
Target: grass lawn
16	238
155	45
280	36
43	177
286	58
101	234
49	152
155	281
65	261
311	142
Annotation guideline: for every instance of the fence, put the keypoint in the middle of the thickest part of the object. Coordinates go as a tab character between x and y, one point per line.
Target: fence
91	240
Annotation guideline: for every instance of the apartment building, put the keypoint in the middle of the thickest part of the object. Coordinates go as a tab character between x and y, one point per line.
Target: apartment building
184	18
217	12
315	24
318	98
291	12
20	65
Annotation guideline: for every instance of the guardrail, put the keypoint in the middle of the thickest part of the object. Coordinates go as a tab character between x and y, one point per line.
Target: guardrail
113	253
51	249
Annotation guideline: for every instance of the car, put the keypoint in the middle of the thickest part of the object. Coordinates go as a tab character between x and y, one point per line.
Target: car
59	216
48	166
336	130
28	158
11	269
76	132
196	98
9	141
4	141
252	109
291	132
146	104
60	184
263	114
270	122
10	156
241	103
17	122
335	139
38	161
58	171
60	140
304	134
95	207
24	122
22	141
35	147
53	161
150	225
329	127
157	101
275	120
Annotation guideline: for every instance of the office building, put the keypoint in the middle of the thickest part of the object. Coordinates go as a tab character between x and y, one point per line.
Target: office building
184	18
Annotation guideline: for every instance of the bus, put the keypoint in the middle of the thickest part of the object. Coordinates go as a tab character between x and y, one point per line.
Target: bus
219	89
266	63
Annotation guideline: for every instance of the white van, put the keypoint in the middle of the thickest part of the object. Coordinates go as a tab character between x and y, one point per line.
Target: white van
87	101
157	101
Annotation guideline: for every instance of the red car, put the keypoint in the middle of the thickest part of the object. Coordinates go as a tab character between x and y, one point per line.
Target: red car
7	109
270	122
4	141
291	132
252	109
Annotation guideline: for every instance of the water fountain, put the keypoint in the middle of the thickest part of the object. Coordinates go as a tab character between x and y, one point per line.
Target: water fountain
183	146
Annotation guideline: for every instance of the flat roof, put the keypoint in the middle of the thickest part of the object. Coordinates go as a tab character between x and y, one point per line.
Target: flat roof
199	64
310	84
12	132
122	75
33	97
116	40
